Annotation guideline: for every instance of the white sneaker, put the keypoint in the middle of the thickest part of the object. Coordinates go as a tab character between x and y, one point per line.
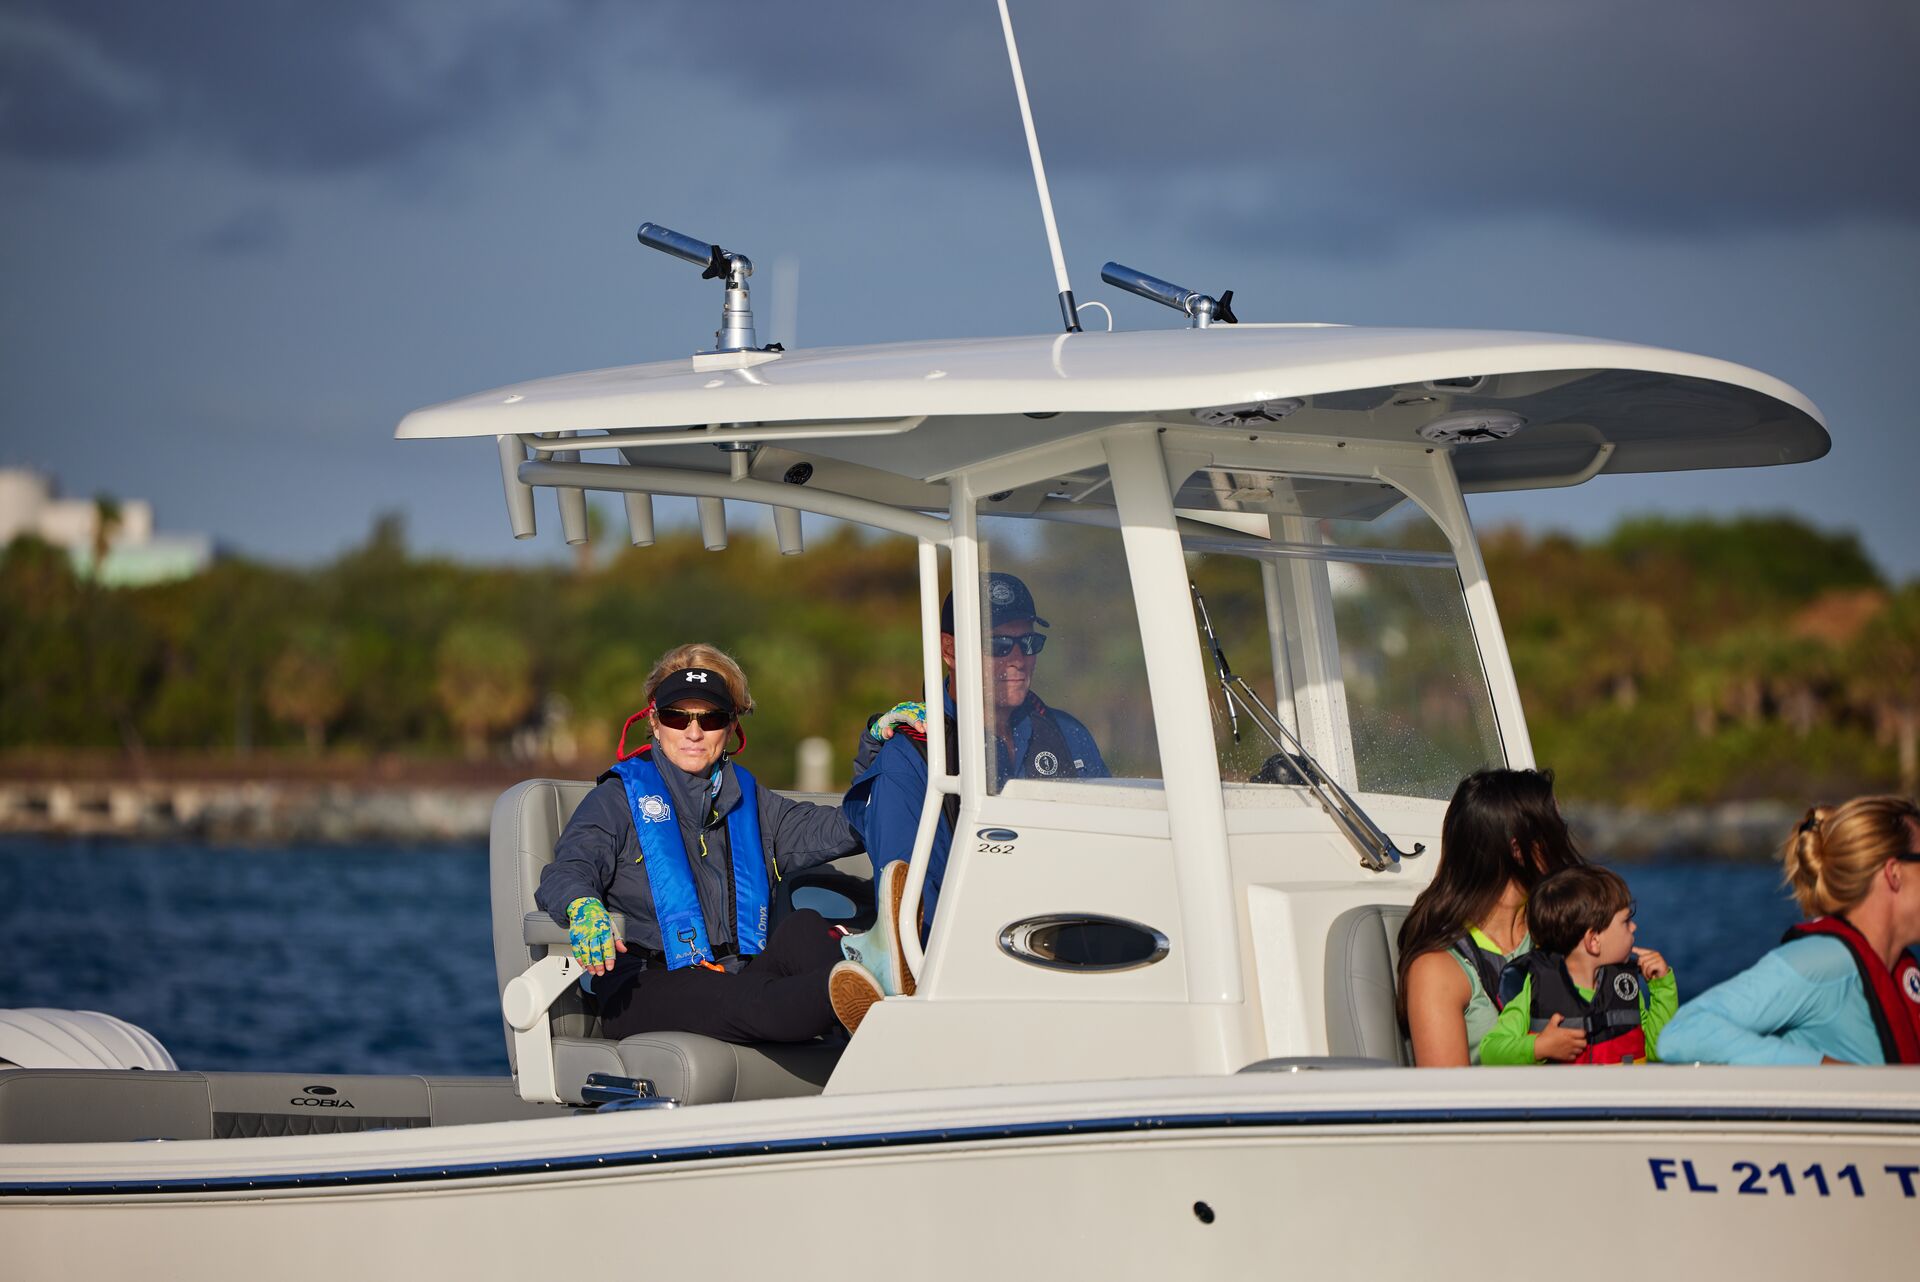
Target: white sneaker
853	990
879	949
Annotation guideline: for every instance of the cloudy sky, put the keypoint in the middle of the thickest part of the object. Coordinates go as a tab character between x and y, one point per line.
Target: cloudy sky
240	238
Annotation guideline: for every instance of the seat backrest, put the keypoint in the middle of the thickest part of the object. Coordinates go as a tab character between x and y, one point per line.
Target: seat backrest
1363	953
527	820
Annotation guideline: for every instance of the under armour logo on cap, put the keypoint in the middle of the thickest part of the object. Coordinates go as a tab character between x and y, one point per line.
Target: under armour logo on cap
703	684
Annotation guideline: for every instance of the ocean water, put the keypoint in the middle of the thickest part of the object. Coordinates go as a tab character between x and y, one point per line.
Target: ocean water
368	960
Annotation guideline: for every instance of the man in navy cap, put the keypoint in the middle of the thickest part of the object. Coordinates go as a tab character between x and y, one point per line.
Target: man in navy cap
1030	739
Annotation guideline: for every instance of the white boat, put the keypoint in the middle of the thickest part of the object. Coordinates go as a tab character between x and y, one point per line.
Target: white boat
1154	1031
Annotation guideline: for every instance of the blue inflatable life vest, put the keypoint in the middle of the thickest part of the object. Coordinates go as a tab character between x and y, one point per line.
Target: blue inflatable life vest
676	904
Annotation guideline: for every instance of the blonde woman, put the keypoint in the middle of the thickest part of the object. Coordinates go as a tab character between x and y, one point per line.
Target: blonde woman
1842	989
687	847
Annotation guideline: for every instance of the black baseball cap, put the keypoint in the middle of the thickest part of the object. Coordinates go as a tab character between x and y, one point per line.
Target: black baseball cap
1007	600
694	683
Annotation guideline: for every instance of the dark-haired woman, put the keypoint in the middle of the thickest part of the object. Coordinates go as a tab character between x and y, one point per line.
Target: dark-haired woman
1501	835
1843	988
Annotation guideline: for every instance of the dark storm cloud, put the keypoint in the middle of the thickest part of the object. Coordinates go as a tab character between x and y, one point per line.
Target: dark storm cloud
1648	113
1703	115
328	85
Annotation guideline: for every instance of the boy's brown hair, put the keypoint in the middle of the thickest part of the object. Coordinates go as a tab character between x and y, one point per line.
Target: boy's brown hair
1571	902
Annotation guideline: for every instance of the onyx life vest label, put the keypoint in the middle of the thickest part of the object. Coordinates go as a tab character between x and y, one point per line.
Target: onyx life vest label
1611	1021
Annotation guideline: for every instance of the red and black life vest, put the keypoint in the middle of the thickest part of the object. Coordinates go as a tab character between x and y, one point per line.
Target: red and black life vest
1893	996
1611	1020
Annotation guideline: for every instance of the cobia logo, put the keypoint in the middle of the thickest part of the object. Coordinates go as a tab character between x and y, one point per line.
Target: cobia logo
319	1097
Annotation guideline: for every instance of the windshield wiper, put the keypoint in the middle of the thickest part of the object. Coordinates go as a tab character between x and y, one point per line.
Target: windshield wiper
1377	851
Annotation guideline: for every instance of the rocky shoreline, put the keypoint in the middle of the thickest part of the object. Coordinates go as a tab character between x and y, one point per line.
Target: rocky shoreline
276	812
1734	831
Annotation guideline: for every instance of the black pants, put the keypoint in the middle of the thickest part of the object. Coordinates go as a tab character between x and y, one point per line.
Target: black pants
781	996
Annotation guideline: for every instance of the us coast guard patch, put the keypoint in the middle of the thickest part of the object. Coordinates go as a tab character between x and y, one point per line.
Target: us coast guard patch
1626	987
1046	763
655	810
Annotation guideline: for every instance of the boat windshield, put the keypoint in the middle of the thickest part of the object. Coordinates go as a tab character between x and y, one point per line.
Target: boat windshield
1077	707
1341	603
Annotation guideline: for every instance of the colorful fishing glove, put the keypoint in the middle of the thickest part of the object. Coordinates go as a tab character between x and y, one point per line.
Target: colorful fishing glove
590	932
900	714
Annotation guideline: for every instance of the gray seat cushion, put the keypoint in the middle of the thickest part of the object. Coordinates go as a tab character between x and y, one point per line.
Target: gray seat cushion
695	1069
1363	952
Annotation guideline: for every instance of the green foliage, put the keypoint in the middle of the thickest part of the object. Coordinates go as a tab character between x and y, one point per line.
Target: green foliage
1668	661
1739	564
1662	663
483	679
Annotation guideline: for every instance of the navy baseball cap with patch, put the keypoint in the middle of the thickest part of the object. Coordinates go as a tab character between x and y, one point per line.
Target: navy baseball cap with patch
694	683
1008	600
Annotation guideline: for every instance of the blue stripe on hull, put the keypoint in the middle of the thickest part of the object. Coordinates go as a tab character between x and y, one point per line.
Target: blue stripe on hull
961	1134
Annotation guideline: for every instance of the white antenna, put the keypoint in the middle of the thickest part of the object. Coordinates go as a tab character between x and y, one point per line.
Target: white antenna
1068	312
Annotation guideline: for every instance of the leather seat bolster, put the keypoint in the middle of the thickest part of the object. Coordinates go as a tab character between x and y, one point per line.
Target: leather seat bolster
1363	954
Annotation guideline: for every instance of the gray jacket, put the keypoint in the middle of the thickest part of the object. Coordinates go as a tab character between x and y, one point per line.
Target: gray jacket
599	856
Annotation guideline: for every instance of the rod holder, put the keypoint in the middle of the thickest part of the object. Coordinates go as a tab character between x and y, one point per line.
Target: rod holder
513	452
736	312
713	524
639	518
786	531
1201	310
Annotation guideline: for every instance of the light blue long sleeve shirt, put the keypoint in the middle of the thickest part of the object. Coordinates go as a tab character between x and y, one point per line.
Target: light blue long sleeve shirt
1801	1001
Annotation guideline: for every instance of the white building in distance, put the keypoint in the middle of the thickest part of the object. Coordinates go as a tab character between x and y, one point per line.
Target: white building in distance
136	555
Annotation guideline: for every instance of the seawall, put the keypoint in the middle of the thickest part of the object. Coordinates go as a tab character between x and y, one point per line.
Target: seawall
294	810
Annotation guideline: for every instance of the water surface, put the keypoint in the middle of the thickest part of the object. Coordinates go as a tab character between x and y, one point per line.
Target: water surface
368	960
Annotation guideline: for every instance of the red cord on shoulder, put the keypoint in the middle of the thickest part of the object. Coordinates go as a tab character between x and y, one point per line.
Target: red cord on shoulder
621	753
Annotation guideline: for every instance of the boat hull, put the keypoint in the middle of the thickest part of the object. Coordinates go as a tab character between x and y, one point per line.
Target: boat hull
1358	1173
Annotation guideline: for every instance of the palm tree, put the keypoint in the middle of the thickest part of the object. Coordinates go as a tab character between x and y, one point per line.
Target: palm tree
1886	663
107	517
305	686
485	682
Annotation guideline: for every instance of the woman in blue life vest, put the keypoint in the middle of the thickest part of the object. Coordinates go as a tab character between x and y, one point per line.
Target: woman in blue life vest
687	846
1843	988
1502	833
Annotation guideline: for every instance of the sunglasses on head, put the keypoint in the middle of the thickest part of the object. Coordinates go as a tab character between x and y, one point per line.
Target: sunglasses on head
681	718
1029	642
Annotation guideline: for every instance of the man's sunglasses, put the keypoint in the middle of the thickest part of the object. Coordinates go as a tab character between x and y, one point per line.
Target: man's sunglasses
681	718
1029	642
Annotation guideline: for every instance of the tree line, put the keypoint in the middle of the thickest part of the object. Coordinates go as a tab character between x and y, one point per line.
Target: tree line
1668	661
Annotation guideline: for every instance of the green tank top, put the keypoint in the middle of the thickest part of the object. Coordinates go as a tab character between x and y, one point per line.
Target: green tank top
1480	1011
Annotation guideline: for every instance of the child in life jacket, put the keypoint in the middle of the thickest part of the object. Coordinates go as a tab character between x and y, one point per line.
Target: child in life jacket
1585	994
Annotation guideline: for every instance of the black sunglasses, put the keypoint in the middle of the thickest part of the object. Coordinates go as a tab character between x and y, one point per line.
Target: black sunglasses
681	718
1029	643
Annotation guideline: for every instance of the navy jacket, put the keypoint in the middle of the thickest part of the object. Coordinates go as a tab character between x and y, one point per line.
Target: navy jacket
883	806
599	855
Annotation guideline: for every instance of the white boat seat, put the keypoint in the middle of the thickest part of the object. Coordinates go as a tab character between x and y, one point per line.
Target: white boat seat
1363	953
527	820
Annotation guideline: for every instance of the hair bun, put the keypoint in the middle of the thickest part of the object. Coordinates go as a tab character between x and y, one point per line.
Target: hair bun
1836	851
